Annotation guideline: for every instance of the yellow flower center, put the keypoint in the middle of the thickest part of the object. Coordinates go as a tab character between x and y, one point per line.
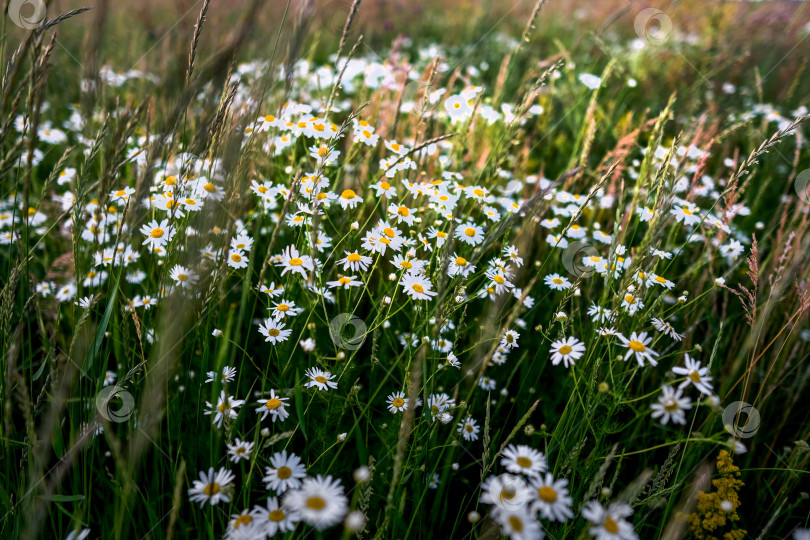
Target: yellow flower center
276	515
499	280
515	523
611	526
389	232
637	346
418	288
469	231
273	404
404	212
695	376
353	257
296	261
524	462
321	379
316	503
558	281
209	187
398	402
157	232
236	257
273	332
478	192
211	489
182	277
461	261
244	519
348	195
284	472
547	494
565	349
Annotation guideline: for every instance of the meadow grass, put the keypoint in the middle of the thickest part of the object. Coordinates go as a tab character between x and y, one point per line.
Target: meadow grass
445	269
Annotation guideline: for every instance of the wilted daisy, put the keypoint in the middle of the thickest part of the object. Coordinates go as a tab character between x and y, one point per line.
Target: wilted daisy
285	472
227	375
671	406
637	345
523	459
695	375
319	501
666	328
567	351
322	380
226	406
275	406
550	497
212	487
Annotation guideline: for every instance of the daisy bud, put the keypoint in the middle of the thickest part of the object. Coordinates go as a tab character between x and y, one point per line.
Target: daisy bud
473	517
604	387
577	292
181	388
362	474
355	521
217	332
631	288
605	492
342	437
387	300
681	299
341	355
759	225
392	277
528	430
386	324
726	506
355	226
504	392
265	432
459	299
454	466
